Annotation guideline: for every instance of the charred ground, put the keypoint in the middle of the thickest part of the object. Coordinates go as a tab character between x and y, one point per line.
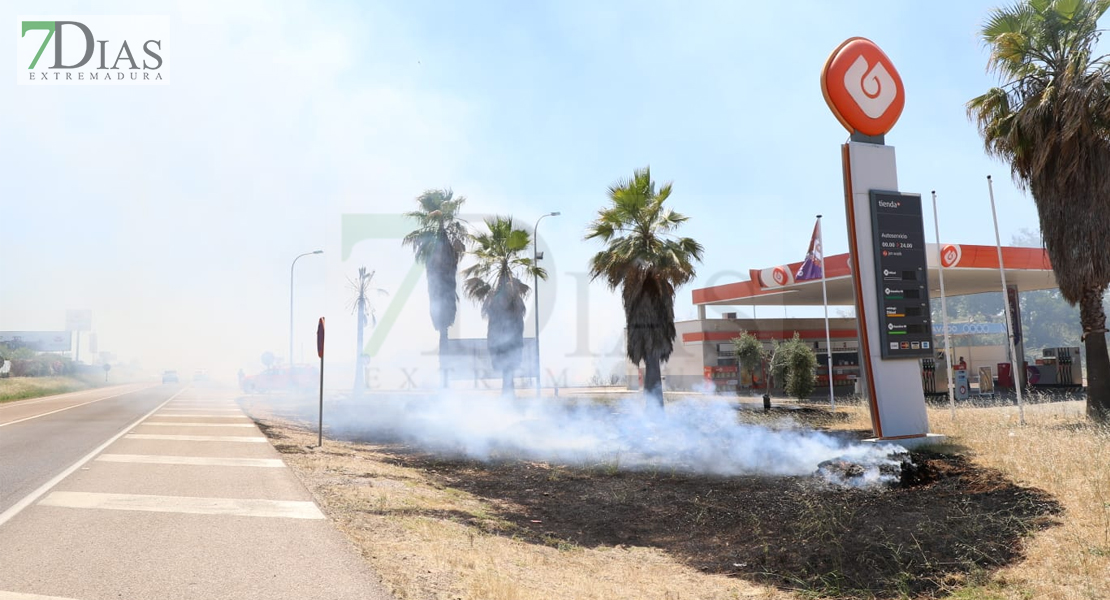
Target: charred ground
952	524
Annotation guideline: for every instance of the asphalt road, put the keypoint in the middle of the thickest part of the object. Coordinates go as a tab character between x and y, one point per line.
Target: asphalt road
39	439
162	492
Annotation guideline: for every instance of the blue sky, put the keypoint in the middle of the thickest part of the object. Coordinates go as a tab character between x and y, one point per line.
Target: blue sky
173	212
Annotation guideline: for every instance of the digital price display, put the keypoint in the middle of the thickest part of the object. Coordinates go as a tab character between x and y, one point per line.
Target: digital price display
901	274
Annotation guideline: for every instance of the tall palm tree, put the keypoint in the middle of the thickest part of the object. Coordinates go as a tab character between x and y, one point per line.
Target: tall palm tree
1050	119
647	260
438	242
364	309
496	282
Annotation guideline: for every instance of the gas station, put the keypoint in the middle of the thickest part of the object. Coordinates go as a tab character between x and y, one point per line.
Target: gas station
707	352
887	352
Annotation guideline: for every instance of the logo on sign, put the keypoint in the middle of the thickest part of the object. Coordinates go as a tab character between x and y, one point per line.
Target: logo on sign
779	274
862	87
950	255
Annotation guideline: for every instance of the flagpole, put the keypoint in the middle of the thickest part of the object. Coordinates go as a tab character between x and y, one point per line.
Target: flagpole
944	314
825	297
1015	360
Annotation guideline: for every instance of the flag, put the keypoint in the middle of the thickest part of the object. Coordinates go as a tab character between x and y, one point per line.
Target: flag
813	266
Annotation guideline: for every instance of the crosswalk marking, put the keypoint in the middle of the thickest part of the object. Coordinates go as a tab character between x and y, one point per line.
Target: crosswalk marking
182	504
195	438
155	459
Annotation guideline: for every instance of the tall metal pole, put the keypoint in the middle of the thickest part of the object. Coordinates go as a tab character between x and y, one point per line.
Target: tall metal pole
291	307
825	297
944	314
536	293
1015	360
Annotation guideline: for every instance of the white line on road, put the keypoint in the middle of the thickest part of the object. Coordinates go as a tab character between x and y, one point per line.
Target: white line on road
157	459
69	407
26	501
169	424
195	438
18	596
177	416
182	504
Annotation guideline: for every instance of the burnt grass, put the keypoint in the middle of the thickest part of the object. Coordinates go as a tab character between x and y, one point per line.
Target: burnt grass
790	532
946	526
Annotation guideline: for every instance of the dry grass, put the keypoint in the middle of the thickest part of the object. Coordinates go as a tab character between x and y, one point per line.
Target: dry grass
1060	452
423	529
21	388
434	542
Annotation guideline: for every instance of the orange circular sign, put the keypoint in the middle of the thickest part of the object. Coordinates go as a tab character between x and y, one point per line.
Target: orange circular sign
780	276
863	88
950	255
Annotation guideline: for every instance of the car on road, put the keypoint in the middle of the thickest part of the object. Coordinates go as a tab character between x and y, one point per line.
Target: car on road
170	377
300	377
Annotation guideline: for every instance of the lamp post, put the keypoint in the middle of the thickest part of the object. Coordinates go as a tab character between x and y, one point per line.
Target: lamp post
291	307
536	256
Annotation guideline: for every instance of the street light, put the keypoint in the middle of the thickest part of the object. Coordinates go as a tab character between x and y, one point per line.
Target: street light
536	256
291	307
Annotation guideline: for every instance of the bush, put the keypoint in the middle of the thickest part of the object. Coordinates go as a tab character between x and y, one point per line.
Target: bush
796	361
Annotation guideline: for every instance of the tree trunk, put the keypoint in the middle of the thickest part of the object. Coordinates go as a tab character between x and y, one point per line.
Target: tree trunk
1093	318
653	384
442	355
359	370
507	388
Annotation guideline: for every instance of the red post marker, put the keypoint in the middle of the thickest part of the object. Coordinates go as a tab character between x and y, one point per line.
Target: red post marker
320	352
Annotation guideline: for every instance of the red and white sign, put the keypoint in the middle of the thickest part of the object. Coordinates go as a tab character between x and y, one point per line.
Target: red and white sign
775	277
863	88
950	255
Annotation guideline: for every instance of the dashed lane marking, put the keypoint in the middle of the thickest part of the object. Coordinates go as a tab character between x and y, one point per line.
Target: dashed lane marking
288	509
154	459
167	424
195	438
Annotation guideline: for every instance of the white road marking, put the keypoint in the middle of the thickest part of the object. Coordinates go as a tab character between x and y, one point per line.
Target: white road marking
182	504
69	407
195	438
18	596
167	424
202	409
26	501
177	416
154	459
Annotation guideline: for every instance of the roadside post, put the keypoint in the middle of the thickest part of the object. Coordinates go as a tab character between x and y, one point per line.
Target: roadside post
320	351
107	367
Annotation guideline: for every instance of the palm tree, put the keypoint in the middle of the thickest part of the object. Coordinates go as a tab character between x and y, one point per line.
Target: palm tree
1049	119
645	258
495	281
364	308
438	242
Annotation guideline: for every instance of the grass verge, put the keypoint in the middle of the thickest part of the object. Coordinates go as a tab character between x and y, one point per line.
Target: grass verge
22	388
1024	513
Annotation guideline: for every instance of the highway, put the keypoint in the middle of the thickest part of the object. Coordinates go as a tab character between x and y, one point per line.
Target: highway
160	491
41	438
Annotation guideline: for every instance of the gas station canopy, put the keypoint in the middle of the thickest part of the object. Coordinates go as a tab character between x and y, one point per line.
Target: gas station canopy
968	269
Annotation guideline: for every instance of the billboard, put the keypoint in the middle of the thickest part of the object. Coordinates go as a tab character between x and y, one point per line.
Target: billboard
78	320
39	341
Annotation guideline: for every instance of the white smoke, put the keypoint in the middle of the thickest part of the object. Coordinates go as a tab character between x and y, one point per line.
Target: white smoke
700	436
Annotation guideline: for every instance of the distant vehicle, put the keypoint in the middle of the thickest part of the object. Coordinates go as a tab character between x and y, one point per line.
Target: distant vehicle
200	375
170	377
301	377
